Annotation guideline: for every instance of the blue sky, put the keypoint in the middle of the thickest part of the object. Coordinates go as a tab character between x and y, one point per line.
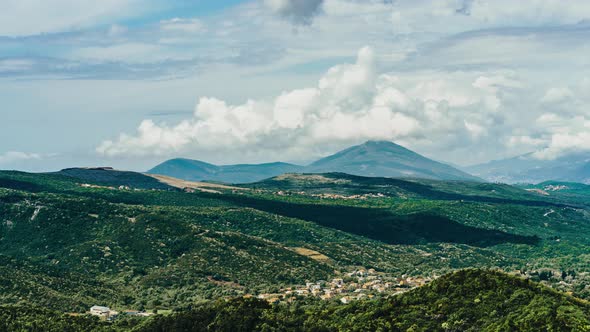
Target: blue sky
129	83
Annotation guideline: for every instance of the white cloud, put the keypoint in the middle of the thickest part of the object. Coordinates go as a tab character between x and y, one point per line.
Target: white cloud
565	121
351	103
475	129
564	134
565	143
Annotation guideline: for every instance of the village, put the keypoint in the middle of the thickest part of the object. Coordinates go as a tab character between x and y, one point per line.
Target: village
331	196
356	285
353	286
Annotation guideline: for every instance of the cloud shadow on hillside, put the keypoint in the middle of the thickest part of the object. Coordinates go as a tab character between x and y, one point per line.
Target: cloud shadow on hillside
381	225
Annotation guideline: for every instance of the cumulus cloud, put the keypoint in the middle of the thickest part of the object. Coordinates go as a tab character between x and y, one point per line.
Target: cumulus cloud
564	122
565	143
564	135
351	103
298	11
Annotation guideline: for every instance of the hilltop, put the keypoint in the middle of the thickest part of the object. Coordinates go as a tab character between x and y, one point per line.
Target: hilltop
111	177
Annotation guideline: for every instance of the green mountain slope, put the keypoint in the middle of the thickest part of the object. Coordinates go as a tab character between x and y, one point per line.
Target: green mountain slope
152	249
468	300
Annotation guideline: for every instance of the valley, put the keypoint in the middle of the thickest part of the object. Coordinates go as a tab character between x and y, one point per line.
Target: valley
95	237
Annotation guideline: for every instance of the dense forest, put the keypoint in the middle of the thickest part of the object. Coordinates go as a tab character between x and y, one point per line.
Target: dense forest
72	240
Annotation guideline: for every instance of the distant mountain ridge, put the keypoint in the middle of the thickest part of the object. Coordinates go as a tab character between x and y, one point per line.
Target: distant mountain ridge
528	169
195	170
373	158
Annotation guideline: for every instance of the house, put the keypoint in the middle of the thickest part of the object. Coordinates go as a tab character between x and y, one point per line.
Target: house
100	310
338	282
302	292
104	313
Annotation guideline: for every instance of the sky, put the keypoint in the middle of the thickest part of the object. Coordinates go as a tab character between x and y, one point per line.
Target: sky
131	83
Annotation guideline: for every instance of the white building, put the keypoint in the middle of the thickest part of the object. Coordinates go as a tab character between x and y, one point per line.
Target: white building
103	312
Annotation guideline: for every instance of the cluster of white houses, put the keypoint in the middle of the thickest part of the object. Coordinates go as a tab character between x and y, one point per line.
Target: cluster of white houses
355	285
331	196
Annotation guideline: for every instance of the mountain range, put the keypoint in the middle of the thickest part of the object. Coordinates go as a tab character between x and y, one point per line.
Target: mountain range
528	169
373	158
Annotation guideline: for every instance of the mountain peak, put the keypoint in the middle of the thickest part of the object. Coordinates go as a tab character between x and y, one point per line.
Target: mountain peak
384	145
383	158
378	142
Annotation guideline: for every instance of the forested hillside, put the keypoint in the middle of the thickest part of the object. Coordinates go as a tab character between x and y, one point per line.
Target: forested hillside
67	243
468	300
